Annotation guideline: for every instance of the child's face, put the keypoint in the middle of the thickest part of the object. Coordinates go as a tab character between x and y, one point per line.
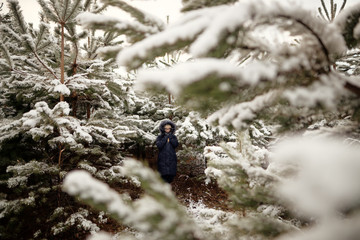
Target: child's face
167	128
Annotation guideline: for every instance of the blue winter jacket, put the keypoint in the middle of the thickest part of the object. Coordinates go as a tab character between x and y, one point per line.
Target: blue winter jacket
167	160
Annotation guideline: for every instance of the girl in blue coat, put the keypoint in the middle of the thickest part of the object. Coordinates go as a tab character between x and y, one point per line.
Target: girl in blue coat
166	143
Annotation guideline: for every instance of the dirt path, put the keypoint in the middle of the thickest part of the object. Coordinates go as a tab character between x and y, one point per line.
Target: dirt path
194	189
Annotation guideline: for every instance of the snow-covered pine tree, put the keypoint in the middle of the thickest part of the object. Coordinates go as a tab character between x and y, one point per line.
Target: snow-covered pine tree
278	83
41	139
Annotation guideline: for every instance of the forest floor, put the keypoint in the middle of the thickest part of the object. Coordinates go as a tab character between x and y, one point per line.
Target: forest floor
191	191
194	189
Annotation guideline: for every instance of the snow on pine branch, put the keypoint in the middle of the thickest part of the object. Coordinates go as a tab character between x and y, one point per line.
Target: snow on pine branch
326	91
80	183
79	219
142	16
91	20
43	121
256	11
238	114
205	29
22	172
174	37
176	78
7	56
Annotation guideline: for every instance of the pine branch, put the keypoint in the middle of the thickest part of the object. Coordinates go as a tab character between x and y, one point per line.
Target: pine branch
325	9
13	34
64	9
44	65
31	64
189	5
15	8
7	55
342	6
136	13
17	13
134	31
44	45
332	9
74	8
55	6
40	35
62	61
28	42
100	9
320	41
87	5
48	12
109	52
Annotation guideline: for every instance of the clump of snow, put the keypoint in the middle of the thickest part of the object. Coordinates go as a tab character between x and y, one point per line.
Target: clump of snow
62	89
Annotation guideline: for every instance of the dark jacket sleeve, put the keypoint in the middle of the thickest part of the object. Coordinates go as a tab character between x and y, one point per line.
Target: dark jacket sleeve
161	141
173	140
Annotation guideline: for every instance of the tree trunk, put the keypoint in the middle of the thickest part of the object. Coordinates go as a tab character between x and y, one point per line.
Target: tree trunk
62	78
74	98
88	110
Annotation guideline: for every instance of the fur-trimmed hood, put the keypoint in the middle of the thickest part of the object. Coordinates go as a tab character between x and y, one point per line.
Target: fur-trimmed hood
167	122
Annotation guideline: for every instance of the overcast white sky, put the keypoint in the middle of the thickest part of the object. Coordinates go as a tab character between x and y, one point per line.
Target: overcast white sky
160	8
